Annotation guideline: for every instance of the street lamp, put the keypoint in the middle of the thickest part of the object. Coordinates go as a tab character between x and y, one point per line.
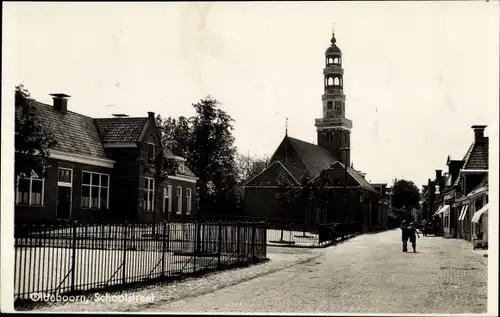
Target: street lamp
346	149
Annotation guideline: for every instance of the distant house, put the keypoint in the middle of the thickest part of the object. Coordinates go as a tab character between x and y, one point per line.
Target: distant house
457	203
97	170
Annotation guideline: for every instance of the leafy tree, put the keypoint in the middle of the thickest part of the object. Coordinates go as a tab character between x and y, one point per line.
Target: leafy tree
206	142
32	141
406	195
248	166
161	168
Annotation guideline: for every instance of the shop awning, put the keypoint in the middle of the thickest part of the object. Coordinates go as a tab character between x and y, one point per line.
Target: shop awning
463	212
479	213
442	209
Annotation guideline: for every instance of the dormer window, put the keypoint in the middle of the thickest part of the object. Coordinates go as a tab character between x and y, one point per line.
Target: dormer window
151	144
182	167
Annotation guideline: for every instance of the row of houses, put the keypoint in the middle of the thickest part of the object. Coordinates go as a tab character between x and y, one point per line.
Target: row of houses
98	171
458	198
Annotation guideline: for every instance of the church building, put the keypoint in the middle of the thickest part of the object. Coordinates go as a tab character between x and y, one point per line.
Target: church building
324	163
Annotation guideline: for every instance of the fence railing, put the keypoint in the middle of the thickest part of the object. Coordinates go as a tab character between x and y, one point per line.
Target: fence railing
319	235
75	258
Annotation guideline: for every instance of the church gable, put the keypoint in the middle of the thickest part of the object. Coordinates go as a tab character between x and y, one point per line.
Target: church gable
335	176
287	155
273	175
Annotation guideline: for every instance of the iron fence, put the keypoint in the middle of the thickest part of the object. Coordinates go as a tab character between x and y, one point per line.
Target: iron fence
318	235
74	258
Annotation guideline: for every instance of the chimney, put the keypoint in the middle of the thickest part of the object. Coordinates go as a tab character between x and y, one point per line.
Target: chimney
478	132
60	102
438	174
151	115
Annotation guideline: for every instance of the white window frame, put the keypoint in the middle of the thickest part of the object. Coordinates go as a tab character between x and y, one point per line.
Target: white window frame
182	167
99	190
167	190
70	185
150	191
179	200
65	184
148	143
188	201
31	178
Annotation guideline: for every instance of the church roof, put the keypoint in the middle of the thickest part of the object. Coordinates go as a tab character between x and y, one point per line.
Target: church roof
315	159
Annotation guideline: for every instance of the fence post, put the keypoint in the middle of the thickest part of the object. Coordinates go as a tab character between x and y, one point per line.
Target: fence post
219	251
196	246
163	249
73	258
124	251
238	241
253	241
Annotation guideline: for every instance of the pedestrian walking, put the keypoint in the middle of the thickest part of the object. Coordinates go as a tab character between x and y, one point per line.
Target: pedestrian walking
405	235
413	234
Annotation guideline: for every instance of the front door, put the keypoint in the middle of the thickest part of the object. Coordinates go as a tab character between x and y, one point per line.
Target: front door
63	202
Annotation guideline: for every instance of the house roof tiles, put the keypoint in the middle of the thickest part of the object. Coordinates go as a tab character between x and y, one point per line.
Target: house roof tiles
120	130
475	158
74	132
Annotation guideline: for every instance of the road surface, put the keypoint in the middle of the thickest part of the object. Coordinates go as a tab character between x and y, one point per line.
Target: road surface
367	274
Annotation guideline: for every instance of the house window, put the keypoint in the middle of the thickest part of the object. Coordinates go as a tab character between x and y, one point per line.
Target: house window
167	198
179	200
64	176
182	167
188	201
30	190
149	193
151	149
95	190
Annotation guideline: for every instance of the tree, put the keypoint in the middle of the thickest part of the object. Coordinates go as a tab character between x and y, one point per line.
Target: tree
248	166
205	140
406	195
32	141
287	193
161	168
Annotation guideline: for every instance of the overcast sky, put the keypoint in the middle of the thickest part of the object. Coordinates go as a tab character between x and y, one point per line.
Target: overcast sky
417	74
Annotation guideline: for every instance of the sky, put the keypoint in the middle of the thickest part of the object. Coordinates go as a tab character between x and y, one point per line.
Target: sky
418	75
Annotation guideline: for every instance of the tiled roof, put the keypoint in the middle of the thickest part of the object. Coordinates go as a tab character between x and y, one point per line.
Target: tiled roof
316	159
74	133
475	158
120	130
357	177
478	158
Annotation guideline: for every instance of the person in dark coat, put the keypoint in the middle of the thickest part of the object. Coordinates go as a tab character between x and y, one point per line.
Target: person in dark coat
405	233
413	234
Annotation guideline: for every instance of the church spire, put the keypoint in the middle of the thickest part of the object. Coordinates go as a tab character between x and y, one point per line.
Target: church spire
333	127
333	40
286	126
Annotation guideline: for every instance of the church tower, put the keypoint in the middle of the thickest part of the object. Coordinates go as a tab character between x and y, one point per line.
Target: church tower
334	129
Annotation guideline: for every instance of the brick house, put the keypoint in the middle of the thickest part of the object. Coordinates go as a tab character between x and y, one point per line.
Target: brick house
96	171
465	190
